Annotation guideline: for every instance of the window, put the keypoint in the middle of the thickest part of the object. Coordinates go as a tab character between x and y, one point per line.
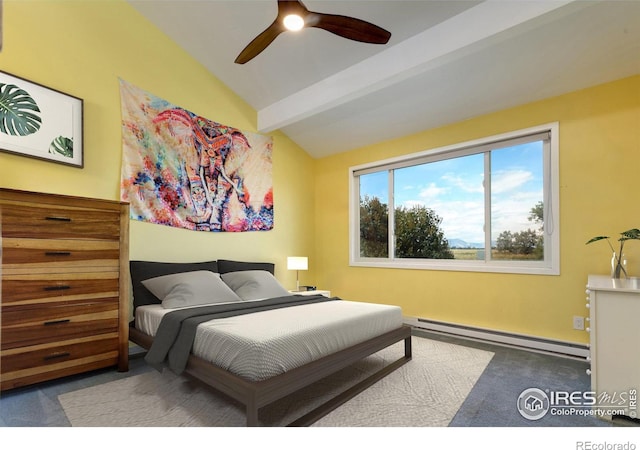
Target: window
488	205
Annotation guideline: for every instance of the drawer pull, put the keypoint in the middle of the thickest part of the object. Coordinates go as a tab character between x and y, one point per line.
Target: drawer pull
57	322
57	288
56	355
58	219
57	253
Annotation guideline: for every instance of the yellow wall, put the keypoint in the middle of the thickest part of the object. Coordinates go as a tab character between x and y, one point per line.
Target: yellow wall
104	40
599	150
82	47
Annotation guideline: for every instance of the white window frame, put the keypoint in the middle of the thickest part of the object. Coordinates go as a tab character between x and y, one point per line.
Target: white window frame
551	263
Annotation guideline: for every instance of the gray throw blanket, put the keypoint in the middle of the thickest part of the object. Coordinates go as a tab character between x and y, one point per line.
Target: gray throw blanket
177	330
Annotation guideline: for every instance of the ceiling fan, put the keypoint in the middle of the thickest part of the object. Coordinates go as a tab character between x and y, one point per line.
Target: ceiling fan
293	16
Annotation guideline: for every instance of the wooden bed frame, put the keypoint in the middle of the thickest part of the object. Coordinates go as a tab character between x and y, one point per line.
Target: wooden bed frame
256	394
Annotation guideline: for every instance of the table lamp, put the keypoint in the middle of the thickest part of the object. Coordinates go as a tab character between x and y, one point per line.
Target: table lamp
297	263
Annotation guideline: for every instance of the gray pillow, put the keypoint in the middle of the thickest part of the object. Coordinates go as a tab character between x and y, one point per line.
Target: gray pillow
254	284
144	270
185	289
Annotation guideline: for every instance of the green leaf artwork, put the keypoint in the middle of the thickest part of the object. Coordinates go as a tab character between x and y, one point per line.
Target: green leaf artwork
62	146
18	111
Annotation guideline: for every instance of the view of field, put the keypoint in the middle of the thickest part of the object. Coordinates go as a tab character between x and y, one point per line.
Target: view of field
468	253
472	254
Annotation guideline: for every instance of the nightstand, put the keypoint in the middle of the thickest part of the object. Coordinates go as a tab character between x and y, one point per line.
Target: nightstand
316	292
614	308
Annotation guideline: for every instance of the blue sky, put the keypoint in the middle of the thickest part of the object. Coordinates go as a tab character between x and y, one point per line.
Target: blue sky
453	188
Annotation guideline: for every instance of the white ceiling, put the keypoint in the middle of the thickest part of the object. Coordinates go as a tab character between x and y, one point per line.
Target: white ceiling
446	61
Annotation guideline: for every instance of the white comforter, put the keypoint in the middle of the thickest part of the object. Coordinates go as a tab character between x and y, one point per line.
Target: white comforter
260	345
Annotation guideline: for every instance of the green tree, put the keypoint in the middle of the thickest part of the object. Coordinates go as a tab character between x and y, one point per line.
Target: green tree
417	230
504	243
418	234
536	214
526	242
374	228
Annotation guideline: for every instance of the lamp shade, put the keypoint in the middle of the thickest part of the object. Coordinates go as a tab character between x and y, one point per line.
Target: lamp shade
297	263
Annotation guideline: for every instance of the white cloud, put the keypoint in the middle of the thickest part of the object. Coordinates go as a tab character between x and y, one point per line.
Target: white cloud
462	220
505	181
459	202
432	192
473	185
512	213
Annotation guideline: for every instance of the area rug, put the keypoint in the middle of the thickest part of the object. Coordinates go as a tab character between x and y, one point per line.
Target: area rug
427	391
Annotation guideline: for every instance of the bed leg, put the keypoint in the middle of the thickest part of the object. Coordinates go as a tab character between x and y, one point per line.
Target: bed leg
252	416
407	347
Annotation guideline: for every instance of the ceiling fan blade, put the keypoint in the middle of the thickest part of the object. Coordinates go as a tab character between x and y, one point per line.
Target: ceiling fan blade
259	43
348	27
291	7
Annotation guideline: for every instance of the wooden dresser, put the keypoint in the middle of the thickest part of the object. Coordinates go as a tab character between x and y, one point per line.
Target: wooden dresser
65	286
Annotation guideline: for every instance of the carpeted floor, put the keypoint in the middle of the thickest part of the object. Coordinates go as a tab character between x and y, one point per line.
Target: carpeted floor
428	391
491	402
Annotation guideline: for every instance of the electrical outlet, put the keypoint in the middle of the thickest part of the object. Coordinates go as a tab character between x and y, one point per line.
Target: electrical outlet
578	323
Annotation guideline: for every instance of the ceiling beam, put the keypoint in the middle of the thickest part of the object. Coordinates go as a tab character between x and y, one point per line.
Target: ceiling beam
427	50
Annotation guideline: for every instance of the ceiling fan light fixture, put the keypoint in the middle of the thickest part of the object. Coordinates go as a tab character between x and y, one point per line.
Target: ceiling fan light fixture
293	15
293	22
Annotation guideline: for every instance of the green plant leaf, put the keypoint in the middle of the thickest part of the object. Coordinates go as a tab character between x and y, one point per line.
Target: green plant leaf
18	111
62	146
597	238
633	233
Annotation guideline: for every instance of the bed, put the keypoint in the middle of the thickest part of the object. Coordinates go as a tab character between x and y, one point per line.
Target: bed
223	333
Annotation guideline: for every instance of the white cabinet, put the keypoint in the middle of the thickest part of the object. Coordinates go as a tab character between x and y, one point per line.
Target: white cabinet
614	326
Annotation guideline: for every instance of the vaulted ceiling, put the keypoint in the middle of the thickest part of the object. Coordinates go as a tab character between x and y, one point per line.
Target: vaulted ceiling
446	61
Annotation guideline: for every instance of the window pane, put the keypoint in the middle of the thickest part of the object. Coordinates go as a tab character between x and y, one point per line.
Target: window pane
374	215
472	206
440	209
517	202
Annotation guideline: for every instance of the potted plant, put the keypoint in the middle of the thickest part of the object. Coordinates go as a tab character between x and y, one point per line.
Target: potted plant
617	266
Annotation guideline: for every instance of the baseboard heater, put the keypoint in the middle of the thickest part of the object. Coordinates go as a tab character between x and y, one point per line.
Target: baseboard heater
560	348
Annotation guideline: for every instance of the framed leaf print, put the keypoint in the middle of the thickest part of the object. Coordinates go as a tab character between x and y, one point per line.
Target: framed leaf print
40	122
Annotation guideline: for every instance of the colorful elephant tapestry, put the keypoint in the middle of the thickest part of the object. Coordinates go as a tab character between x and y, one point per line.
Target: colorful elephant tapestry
182	170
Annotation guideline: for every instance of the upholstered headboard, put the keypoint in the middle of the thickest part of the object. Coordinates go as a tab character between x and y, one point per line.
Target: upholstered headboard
143	270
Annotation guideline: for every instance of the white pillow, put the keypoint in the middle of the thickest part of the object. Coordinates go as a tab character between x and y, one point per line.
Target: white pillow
185	289
254	284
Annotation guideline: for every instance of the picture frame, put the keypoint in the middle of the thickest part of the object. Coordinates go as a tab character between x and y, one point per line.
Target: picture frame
0	25
40	122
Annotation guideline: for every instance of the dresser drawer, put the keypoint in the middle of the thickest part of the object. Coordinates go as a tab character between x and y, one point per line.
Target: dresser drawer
64	290
58	252
40	324
50	221
28	365
37	288
44	355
